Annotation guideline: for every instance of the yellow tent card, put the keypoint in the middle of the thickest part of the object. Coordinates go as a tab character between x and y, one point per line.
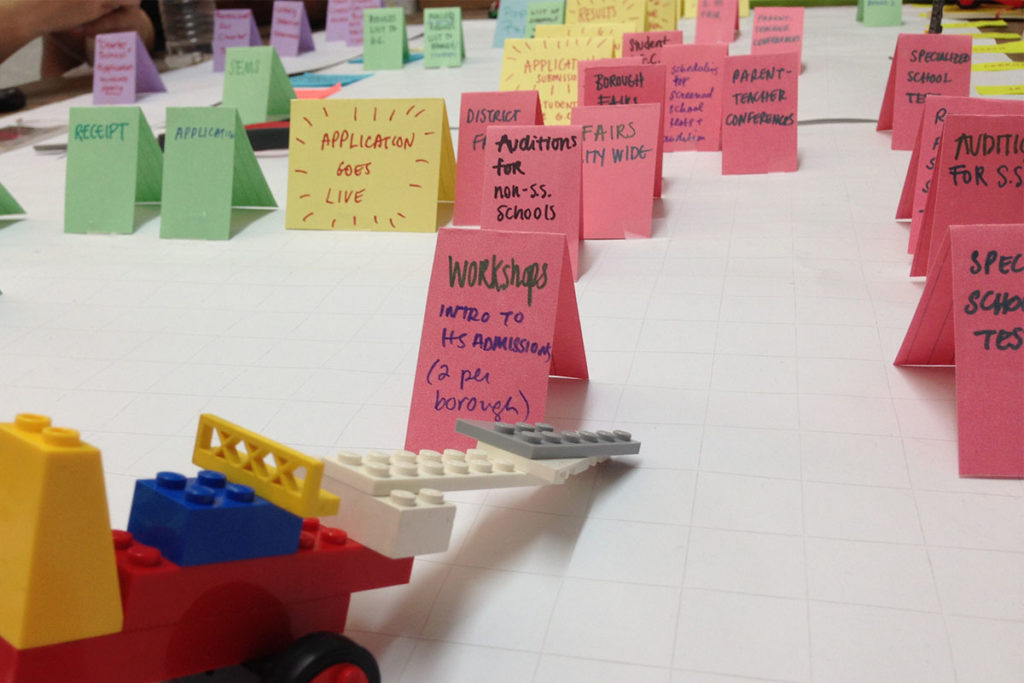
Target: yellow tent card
613	31
1014	48
986	90
549	66
369	164
997	66
973	24
633	12
662	15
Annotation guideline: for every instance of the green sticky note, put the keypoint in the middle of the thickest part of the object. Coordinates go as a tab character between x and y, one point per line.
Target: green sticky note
543	13
256	84
209	166
385	44
113	162
442	36
883	12
9	206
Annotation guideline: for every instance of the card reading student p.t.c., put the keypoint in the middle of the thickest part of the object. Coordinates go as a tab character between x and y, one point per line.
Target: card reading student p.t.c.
647	45
759	132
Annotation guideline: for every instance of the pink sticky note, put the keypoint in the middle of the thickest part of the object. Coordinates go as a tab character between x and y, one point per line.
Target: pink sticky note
619	148
501	317
777	29
355	22
122	69
759	113
532	181
694	75
339	13
717	21
988	261
929	338
923	64
232	28
601	84
480	110
290	33
647	45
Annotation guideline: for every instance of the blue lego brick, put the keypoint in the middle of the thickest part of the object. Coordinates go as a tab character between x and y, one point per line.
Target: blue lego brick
206	519
541	441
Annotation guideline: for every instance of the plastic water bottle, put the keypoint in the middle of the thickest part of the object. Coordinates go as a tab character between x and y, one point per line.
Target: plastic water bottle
188	30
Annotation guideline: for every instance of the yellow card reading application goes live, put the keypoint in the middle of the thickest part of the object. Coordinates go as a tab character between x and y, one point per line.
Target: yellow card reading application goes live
369	164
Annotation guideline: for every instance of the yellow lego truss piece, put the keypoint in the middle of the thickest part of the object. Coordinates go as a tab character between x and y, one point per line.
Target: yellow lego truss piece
241	456
58	575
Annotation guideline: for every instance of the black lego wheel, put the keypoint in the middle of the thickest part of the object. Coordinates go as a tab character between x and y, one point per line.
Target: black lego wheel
324	657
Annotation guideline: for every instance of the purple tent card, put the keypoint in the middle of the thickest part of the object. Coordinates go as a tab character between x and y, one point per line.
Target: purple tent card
233	28
122	69
290	34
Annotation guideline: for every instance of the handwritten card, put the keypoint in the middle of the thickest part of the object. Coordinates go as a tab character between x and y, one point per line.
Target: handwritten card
369	164
987	264
478	111
620	145
929	338
355	20
694	79
256	84
647	45
197	197
550	67
759	109
632	12
777	29
290	34
9	206
662	15
339	13
880	12
122	69
533	182
442	36
113	162
717	21
538	13
613	31
923	64
385	41
501	317
511	21
232	28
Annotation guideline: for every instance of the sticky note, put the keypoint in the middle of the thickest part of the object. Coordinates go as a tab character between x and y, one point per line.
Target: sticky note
777	29
929	338
759	108
533	182
9	206
647	45
620	145
113	162
987	264
923	64
989	90
290	33
256	84
232	28
339	13
717	21
1014	48
209	167
538	13
694	78
478	111
385	42
662	15
369	164
501	317
549	67
355	22
588	30
882	12
122	69
443	42
633	12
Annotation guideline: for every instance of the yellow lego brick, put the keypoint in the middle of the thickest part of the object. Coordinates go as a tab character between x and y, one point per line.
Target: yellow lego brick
58	575
242	456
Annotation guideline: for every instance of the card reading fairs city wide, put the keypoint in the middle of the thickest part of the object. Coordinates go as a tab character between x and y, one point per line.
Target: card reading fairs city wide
290	34
122	69
759	132
694	76
501	317
647	46
232	28
478	111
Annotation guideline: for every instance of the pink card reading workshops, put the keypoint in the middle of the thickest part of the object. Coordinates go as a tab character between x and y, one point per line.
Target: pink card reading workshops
619	145
339	13
122	69
717	21
480	110
693	96
603	84
532	182
929	338
759	113
501	318
988	302
647	45
977	180
232	28
355	22
289	29
923	64
777	29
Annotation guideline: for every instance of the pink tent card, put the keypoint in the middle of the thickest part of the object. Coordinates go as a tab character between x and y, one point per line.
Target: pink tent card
501	317
693	96
122	69
478	111
929	338
232	28
647	45
290	34
532	181
923	64
777	29
355	22
619	147
759	113
988	262
604	84
717	21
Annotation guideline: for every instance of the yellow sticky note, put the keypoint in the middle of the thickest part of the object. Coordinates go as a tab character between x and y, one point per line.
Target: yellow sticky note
662	15
1016	47
997	66
974	24
369	164
994	36
633	12
549	66
1000	89
595	30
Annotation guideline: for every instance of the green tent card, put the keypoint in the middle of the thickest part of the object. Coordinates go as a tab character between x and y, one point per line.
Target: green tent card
9	206
882	12
443	37
209	166
543	13
385	43
113	162
256	84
